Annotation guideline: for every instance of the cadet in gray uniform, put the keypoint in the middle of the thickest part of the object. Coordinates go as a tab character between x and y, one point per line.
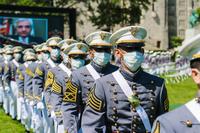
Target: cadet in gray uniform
128	100
77	52
18	59
185	119
30	65
83	79
40	78
20	84
7	78
2	59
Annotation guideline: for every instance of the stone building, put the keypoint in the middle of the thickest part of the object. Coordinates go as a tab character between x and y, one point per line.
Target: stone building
163	20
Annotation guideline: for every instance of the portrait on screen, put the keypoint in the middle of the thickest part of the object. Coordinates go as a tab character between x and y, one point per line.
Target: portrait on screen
25	30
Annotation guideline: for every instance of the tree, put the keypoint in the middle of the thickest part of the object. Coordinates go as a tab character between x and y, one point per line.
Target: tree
109	13
176	41
102	13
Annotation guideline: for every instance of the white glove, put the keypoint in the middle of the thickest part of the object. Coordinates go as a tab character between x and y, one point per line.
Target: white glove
27	101
21	99
32	103
40	105
7	89
1	88
53	115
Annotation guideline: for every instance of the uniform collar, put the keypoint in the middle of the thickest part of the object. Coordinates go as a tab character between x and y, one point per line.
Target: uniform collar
97	67
130	75
57	61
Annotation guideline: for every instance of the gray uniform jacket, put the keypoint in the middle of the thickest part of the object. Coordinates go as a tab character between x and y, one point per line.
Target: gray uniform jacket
28	84
20	79
57	91
180	120
108	108
77	91
41	82
2	64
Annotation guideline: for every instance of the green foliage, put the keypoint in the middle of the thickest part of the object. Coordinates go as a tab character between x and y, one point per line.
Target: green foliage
102	13
176	41
113	12
25	2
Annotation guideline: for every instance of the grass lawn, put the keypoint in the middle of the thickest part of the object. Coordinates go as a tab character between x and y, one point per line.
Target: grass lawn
178	94
7	125
181	93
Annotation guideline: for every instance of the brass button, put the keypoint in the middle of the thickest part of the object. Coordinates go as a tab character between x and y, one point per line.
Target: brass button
114	109
134	125
152	82
151	99
151	116
115	100
135	117
133	109
152	108
116	124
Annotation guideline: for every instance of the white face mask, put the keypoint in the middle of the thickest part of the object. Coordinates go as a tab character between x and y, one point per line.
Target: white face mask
77	63
39	56
55	53
133	60
17	56
65	58
102	58
45	56
9	57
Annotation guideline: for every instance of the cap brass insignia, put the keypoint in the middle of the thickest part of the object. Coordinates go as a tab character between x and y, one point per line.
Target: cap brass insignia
103	35
134	30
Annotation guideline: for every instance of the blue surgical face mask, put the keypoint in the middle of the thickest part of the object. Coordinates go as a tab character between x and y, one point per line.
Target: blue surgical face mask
133	60
102	58
77	63
18	56
9	57
45	56
55	53
39	57
65	58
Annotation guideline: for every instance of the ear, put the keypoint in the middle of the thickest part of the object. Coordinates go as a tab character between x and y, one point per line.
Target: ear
118	53
195	75
91	53
49	48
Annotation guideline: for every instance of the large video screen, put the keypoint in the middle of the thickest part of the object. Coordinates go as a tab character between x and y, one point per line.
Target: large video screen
30	30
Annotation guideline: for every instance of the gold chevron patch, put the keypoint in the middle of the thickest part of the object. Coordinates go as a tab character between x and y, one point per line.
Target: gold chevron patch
38	71
70	95
49	80
56	87
94	102
29	72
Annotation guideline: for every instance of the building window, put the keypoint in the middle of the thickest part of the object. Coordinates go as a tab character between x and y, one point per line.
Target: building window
182	33
182	23
182	13
158	44
182	3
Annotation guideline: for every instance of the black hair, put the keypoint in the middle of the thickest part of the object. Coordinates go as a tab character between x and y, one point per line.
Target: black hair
195	63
